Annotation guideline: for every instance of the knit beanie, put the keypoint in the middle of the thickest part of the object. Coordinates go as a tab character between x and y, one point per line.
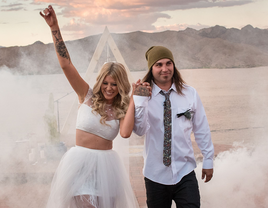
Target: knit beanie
156	53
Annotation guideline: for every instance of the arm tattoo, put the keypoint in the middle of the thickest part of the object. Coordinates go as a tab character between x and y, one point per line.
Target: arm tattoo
60	45
141	91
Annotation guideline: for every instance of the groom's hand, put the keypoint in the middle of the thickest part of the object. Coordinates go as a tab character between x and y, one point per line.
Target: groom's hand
142	89
207	174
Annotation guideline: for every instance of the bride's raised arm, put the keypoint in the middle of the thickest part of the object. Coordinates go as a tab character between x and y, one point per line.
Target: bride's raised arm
78	83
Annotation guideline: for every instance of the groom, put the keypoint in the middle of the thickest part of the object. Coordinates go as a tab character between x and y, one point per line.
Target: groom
167	118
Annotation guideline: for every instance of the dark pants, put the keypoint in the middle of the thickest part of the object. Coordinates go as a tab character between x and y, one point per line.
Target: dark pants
185	193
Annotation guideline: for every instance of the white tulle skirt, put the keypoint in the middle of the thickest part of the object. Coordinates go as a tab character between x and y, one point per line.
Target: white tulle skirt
87	178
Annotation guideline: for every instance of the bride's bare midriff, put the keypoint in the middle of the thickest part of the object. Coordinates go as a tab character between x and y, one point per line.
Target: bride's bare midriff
92	141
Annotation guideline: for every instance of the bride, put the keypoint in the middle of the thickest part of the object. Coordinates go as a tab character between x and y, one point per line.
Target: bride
91	174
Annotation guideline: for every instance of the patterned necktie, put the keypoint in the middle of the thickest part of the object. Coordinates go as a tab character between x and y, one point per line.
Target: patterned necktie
167	127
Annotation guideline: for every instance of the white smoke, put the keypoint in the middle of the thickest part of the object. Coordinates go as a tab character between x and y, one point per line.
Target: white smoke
240	178
24	171
18	104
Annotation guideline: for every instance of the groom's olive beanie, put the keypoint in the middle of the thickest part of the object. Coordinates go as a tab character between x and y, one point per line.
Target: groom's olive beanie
156	53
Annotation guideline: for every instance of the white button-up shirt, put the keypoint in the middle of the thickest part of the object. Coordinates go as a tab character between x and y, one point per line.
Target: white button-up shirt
149	120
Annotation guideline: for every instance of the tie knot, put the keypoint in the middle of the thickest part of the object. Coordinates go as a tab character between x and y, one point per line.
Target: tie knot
166	94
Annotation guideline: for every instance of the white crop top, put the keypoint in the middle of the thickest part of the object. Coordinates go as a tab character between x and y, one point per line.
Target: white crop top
89	121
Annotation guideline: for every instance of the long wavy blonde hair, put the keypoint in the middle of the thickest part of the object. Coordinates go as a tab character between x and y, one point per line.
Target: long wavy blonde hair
121	101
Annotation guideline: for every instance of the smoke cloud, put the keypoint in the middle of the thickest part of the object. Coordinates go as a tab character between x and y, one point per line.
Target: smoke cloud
25	174
240	178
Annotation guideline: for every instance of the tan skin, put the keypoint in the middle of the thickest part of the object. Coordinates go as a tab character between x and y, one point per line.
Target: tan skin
79	85
162	72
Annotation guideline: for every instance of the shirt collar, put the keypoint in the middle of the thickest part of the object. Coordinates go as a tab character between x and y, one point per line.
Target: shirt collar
156	89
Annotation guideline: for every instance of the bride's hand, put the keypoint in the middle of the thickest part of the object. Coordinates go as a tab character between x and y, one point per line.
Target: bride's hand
50	16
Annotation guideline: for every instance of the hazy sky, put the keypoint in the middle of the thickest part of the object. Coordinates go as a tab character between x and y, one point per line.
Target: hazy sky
21	24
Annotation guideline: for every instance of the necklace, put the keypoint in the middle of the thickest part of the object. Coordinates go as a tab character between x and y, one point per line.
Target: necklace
109	108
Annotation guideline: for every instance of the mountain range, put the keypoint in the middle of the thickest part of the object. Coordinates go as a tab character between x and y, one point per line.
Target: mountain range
214	47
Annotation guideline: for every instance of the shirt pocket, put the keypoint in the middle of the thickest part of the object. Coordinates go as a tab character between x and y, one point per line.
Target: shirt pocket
184	118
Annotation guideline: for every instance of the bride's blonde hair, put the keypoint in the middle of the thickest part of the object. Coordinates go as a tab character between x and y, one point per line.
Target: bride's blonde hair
121	101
